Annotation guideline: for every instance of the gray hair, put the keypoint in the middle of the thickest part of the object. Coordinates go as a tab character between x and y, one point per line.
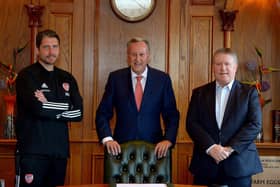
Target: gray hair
227	51
138	39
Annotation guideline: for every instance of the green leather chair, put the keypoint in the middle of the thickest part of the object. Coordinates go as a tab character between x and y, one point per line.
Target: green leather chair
137	163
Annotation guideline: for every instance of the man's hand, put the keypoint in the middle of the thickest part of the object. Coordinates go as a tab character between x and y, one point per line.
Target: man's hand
40	96
219	153
113	147
229	150
162	148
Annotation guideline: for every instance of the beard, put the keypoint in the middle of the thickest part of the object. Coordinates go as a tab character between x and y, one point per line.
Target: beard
48	60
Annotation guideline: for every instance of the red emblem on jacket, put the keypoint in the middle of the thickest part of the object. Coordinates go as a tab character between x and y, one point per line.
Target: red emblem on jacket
29	178
66	86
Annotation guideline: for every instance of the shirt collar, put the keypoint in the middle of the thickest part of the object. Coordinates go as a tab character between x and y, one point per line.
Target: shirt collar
229	85
144	74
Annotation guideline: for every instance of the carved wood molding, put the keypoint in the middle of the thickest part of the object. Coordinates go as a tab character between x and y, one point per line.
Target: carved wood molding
203	2
228	4
228	18
34	12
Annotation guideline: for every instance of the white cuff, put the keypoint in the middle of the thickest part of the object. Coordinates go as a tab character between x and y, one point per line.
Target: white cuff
106	139
207	151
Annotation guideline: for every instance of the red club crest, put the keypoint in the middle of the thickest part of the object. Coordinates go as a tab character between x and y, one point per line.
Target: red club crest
29	178
66	86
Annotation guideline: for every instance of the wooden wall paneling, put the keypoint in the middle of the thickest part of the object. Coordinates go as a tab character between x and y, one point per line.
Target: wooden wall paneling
7	161
62	24
90	53
35	2
86	158
7	169
268	149
14	33
254	28
67	18
34	13
173	53
200	51
218	35
97	167
179	58
203	37
92	162
275	16
183	161
183	174
77	57
275	57
74	167
202	2
198	38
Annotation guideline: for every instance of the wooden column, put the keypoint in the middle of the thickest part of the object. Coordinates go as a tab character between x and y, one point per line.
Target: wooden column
34	12
228	18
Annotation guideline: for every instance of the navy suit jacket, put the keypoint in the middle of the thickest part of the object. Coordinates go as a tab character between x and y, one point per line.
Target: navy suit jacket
240	126
131	124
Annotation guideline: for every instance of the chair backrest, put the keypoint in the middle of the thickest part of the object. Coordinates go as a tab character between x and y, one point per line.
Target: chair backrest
137	163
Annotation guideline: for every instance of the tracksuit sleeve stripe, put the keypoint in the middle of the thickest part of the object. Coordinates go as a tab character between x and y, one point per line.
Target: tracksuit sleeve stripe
72	114
56	106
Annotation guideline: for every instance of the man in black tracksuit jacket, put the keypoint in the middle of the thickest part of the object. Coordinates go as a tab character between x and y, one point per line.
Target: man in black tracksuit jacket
47	98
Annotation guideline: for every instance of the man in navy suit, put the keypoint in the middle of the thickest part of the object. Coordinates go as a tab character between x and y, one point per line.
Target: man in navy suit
142	122
223	120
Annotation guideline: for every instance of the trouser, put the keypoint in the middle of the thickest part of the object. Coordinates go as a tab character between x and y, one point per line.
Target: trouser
222	180
42	171
227	182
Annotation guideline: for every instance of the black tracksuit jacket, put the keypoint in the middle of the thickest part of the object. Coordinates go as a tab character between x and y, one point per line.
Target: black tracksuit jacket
42	129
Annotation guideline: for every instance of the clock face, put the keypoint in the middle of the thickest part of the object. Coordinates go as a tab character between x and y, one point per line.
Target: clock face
133	10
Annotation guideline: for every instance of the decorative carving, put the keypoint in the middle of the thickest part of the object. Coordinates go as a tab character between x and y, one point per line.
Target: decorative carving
203	2
34	12
228	18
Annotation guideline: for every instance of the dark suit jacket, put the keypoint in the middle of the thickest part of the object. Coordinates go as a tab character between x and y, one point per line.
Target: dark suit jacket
240	126
158	99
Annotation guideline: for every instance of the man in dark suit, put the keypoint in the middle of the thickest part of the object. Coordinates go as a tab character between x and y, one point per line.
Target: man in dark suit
223	120
138	120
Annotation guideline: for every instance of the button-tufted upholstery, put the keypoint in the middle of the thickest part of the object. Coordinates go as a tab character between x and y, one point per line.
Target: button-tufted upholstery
137	163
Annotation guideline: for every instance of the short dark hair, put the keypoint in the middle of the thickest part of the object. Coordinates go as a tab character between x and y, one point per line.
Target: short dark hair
227	51
138	39
46	33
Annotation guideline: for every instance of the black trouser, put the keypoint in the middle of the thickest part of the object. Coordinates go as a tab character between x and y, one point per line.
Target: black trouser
42	171
230	182
222	180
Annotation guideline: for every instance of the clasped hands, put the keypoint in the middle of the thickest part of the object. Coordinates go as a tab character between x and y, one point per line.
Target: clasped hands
220	153
114	148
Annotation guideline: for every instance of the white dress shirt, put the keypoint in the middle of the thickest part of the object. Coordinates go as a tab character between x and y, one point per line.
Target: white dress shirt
143	80
222	94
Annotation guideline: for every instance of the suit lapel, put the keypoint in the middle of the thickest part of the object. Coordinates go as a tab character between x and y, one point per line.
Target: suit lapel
230	103
131	98
211	100
148	88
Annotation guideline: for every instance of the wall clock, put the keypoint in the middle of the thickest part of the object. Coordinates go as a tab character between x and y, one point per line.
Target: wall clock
133	10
